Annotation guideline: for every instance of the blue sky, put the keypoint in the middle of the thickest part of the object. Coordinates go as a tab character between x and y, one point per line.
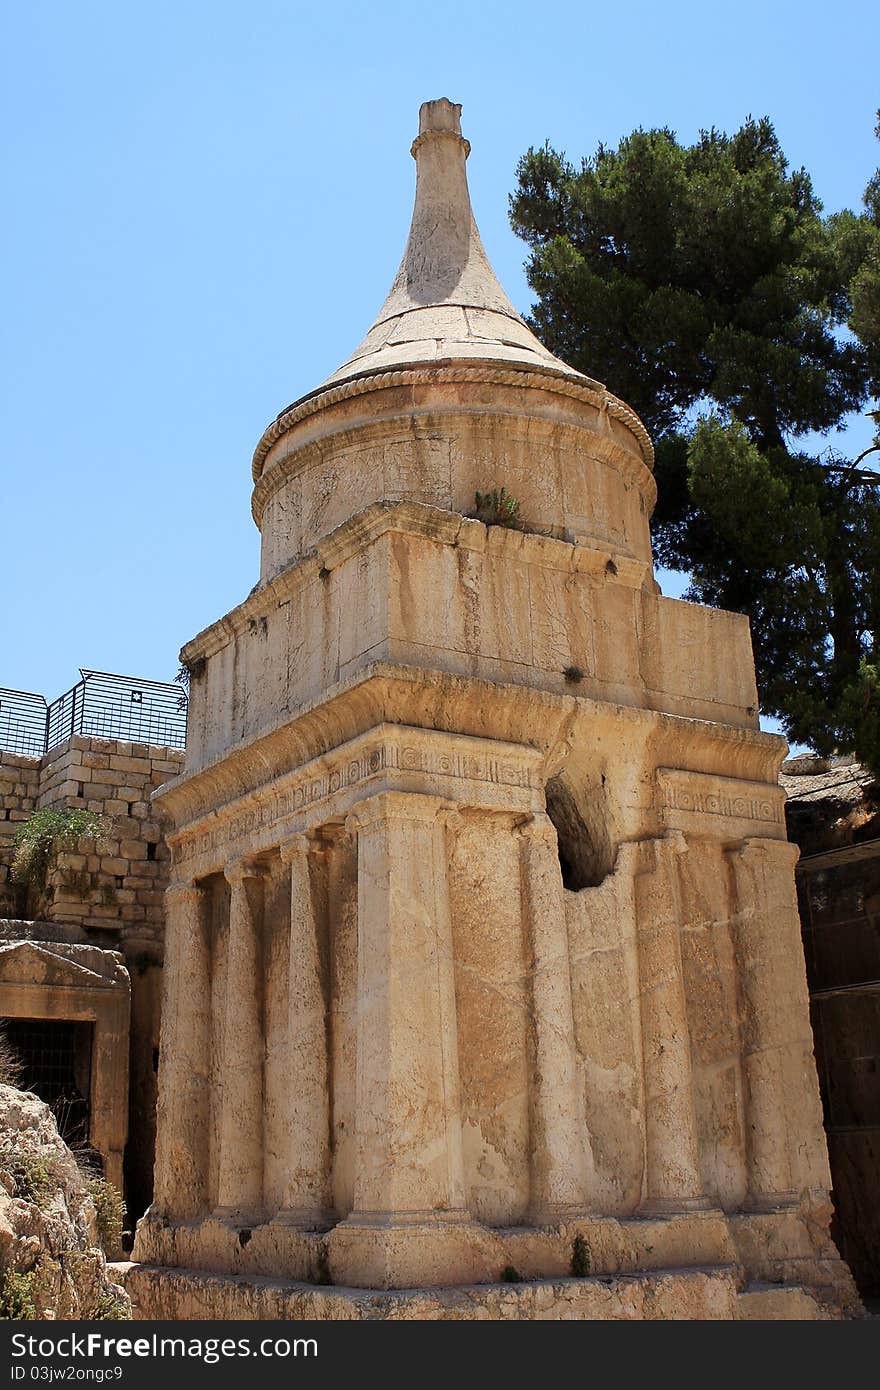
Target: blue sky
206	204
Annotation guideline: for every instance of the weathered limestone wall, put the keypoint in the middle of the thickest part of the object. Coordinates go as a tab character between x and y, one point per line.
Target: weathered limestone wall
19	789
504	606
112	890
128	871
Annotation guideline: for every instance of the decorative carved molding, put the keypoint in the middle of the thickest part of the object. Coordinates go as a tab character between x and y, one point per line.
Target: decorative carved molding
593	393
392	753
601	446
686	799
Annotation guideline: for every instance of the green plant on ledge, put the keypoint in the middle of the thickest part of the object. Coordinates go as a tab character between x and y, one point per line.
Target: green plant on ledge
37	837
498	509
110	1212
581	1258
31	1175
17	1295
109	1307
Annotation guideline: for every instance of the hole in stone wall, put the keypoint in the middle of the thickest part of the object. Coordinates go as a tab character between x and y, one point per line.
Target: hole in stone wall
586	855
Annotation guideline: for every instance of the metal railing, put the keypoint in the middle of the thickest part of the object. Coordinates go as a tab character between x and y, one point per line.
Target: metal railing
100	705
23	722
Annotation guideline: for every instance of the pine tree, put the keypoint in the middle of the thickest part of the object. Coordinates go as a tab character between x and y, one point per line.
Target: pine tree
705	287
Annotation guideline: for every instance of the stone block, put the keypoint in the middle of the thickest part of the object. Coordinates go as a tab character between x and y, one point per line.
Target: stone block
111	865
138	765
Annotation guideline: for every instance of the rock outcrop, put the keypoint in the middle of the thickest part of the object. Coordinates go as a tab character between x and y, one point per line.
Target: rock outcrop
51	1262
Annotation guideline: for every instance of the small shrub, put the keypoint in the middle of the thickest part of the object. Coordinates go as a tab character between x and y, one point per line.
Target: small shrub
17	1296
581	1259
35	838
497	508
110	1211
109	1307
510	1275
31	1174
322	1268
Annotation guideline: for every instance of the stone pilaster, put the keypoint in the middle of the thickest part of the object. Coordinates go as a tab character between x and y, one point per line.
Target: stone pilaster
306	1201
409	1197
408	1106
240	1186
182	1137
561	1158
672	1167
780	1081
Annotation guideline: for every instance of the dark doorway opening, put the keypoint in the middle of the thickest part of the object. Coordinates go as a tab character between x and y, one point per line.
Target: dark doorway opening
56	1062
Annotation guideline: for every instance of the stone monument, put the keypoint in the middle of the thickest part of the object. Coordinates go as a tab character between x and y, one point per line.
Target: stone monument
484	980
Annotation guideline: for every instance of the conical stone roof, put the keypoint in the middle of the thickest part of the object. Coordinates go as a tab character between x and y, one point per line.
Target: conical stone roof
446	308
446	302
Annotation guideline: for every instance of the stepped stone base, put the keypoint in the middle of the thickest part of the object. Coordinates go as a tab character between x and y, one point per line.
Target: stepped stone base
701	1294
685	1265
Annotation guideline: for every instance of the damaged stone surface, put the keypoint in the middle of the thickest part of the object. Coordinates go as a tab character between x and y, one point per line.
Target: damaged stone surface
51	1263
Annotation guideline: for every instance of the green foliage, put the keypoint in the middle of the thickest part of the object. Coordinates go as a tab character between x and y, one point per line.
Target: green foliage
510	1275
32	1175
704	285
189	671
35	840
497	508
581	1258
110	1211
109	1307
16	1295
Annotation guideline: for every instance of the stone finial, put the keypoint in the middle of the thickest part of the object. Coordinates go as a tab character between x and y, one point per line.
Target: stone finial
446	302
442	114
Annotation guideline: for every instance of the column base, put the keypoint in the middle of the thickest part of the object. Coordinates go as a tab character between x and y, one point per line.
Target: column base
674	1206
770	1201
305	1218
554	1214
408	1250
237	1218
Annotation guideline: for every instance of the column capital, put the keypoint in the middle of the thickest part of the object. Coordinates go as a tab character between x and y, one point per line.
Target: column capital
538	827
757	847
239	870
397	806
303	843
185	892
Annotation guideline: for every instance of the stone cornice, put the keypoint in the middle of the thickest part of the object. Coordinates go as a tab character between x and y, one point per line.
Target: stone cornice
593	393
419	519
444	702
445	769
